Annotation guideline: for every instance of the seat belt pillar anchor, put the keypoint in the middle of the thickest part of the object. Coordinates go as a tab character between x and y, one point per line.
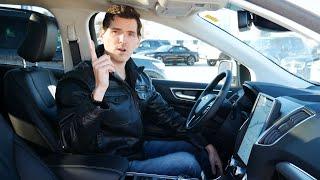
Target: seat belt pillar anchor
72	34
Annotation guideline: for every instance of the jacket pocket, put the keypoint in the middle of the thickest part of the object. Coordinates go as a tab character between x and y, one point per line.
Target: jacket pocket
116	99
119	110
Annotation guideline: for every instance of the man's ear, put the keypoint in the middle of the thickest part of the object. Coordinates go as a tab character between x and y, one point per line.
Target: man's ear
102	31
138	42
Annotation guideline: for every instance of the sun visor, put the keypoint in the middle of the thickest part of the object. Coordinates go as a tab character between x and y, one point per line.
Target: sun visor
176	8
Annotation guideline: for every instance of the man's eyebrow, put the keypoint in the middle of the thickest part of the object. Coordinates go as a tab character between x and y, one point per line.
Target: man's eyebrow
119	29
132	31
114	28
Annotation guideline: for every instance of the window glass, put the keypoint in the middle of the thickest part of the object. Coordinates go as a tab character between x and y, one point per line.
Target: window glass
145	45
13	30
173	55
293	52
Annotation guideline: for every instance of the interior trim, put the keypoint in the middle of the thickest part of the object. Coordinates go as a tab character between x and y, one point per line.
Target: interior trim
86	167
174	89
291	171
281	120
136	174
28	131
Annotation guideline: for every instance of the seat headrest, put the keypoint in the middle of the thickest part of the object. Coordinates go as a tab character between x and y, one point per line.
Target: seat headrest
41	40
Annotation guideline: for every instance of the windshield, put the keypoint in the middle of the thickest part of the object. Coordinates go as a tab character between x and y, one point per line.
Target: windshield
164	48
311	5
292	51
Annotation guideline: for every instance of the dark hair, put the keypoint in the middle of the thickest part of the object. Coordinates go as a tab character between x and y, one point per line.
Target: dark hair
123	12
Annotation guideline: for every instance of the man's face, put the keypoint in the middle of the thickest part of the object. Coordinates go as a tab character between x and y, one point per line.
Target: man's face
121	38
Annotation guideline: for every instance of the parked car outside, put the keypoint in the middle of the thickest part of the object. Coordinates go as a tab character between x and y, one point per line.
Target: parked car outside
277	48
222	56
291	52
174	54
153	67
150	44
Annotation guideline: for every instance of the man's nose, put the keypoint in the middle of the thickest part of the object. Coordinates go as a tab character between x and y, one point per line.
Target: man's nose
123	38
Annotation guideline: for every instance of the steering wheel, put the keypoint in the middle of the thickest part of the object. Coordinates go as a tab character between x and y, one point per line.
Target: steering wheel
209	102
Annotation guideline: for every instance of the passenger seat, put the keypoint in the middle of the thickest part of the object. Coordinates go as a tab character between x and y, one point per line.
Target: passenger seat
29	91
17	161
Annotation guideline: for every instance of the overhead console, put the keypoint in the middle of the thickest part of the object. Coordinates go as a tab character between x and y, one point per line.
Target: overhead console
176	8
276	134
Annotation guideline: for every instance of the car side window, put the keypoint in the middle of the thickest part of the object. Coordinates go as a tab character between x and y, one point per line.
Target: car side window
174	49
182	49
145	44
13	30
11	37
177	56
154	44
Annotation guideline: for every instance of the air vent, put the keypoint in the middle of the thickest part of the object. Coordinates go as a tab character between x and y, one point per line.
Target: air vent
234	98
282	128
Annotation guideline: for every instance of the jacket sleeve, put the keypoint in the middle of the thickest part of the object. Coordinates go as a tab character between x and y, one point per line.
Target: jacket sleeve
80	118
163	115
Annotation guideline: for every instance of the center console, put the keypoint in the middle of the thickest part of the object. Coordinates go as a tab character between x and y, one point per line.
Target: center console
264	112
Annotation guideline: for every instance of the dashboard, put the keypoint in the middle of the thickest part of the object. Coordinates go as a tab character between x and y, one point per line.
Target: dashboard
280	138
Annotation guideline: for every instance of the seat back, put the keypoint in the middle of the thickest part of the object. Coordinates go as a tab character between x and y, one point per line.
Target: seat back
29	91
17	161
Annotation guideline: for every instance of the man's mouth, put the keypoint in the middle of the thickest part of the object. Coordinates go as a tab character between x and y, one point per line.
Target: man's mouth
121	49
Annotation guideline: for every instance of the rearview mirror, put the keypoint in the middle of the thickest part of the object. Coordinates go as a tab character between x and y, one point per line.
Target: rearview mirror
246	19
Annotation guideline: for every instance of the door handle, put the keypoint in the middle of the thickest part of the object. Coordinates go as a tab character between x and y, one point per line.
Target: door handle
183	96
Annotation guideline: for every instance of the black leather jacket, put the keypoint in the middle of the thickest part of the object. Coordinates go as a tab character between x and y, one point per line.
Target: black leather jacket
130	109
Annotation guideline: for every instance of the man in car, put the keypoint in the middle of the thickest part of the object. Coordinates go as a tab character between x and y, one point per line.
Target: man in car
109	105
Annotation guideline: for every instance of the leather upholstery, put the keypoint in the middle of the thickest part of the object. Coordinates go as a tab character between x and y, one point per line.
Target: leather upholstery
17	161
41	40
101	166
28	98
29	92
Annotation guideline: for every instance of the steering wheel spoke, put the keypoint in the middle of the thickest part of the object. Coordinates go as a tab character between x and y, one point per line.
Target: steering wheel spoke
208	103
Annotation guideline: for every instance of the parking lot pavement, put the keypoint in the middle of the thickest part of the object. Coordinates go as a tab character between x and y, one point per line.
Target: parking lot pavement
199	72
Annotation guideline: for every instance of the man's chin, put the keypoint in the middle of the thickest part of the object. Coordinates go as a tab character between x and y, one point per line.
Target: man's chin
121	59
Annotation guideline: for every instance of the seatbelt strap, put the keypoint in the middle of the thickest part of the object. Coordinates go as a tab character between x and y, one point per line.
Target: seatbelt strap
73	44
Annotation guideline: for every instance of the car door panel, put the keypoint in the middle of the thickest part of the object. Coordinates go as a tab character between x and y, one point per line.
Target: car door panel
182	95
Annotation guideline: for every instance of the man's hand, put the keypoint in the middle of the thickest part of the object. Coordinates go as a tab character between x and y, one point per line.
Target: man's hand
214	160
102	66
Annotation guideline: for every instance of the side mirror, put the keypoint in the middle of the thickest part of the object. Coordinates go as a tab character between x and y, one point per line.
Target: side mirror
231	65
316	51
224	65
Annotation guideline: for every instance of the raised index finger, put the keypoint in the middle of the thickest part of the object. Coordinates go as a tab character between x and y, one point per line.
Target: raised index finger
92	50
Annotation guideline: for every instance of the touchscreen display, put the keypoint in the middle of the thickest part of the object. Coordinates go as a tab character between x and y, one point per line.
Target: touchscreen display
259	119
